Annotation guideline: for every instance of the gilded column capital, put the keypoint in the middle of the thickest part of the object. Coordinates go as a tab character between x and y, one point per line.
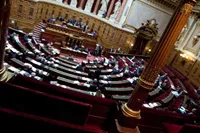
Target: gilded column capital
130	113
145	84
187	7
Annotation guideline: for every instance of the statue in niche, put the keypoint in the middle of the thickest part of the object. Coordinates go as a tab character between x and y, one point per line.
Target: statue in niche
89	5
182	34
73	3
195	40
116	10
103	9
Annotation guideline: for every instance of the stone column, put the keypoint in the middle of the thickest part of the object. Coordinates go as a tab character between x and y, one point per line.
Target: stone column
81	4
130	111
121	10
96	6
5	6
110	9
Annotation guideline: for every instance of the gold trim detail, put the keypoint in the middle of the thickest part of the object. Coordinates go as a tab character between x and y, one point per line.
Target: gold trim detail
145	84
122	129
130	113
187	9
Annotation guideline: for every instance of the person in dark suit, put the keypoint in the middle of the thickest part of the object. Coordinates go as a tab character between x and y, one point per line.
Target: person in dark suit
26	38
80	67
85	27
78	23
94	85
71	21
102	61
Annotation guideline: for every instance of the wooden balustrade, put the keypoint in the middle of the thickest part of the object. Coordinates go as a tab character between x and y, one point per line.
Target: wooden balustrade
70	36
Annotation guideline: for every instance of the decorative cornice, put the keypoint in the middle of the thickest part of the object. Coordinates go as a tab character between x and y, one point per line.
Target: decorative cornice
167	4
172	4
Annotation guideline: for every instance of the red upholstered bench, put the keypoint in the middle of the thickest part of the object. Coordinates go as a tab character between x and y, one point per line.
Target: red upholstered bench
102	109
171	128
15	121
189	128
42	104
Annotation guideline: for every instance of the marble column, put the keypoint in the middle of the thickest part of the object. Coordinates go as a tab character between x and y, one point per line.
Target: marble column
129	115
81	4
121	11
5	6
96	6
110	9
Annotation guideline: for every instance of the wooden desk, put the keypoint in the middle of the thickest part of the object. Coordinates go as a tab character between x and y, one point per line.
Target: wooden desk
70	30
119	91
121	97
63	59
128	55
73	52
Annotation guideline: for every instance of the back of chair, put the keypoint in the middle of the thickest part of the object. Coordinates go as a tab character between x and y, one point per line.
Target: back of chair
14	121
188	128
101	107
43	104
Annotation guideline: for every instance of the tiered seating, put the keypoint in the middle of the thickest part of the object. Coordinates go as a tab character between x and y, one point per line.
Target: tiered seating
101	108
190	89
75	92
186	128
15	121
119	91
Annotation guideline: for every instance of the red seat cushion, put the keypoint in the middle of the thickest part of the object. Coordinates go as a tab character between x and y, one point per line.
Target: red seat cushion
171	128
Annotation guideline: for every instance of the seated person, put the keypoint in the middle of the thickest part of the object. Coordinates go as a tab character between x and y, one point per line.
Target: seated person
28	67
94	85
97	73
93	33
177	94
98	93
75	47
71	58
71	21
26	38
164	86
95	61
25	73
182	110
115	71
198	91
113	62
102	61
54	83
133	80
163	77
86	50
85	27
158	82
78	23
59	18
80	67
